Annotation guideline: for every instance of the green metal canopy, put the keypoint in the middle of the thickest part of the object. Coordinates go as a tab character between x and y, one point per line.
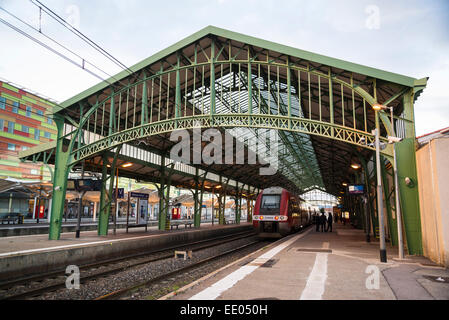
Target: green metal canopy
319	109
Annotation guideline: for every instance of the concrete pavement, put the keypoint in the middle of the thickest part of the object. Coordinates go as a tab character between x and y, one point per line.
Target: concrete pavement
329	266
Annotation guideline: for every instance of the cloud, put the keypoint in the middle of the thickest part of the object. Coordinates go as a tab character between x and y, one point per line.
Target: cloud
412	38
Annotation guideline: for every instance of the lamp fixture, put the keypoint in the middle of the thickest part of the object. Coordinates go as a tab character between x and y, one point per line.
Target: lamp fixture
378	107
355	166
126	165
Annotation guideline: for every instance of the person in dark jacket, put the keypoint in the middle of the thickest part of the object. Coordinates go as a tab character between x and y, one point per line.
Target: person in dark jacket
316	220
323	222
329	222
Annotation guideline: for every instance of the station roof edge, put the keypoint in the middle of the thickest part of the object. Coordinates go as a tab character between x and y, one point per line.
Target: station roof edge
269	45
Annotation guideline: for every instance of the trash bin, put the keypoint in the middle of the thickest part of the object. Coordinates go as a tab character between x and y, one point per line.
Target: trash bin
20	219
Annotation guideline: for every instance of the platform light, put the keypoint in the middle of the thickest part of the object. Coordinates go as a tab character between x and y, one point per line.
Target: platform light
126	165
378	107
345	184
355	166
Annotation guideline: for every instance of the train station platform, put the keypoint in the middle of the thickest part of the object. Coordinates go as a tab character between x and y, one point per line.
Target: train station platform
24	255
338	265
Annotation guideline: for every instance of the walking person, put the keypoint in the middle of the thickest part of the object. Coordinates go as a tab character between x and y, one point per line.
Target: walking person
329	222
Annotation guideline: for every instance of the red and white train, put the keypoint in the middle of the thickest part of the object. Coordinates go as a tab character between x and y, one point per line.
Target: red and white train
278	213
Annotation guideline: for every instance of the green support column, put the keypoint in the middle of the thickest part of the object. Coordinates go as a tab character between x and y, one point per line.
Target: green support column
406	162
196	202
178	89
392	225
162	210
59	182
409	193
212	81
289	95
238	205
250	91
103	215
167	203
106	194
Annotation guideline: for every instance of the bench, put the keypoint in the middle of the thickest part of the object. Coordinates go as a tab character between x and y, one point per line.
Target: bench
178	223
11	217
137	226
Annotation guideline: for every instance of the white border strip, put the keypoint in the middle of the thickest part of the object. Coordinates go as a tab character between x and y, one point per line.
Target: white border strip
316	281
215	290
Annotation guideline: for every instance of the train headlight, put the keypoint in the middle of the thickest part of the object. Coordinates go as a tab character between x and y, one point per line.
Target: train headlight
276	218
261	218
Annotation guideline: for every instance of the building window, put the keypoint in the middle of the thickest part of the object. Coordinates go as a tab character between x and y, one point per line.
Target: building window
40	113
25	129
37	134
2	124
34	171
49	121
47	134
2	103
10	127
28	111
15	108
25	148
11	146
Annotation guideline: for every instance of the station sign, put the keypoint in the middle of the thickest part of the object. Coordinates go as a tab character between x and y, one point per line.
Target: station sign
83	185
139	195
120	193
356	189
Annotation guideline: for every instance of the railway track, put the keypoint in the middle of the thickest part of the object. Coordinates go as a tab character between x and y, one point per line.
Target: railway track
178	273
52	281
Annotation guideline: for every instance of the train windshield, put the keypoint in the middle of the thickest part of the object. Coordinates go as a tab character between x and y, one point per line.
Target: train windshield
271	201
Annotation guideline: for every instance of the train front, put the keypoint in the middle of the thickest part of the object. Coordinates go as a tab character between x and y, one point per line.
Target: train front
270	218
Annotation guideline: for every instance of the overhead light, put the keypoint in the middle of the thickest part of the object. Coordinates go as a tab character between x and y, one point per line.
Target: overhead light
218	187
355	166
345	184
108	165
379	107
126	165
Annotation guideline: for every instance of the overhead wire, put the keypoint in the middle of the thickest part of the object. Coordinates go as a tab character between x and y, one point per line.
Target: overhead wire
78	33
49	48
54	41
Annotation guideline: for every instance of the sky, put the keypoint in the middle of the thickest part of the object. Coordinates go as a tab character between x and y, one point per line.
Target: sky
405	37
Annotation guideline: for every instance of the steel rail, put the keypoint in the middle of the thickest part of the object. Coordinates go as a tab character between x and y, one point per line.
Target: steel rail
10	284
121	292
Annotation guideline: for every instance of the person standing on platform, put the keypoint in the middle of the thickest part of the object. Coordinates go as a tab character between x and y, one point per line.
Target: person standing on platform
329	222
316	220
323	222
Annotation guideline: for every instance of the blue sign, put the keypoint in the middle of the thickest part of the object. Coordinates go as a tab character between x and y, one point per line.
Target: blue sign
139	195
120	193
356	189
